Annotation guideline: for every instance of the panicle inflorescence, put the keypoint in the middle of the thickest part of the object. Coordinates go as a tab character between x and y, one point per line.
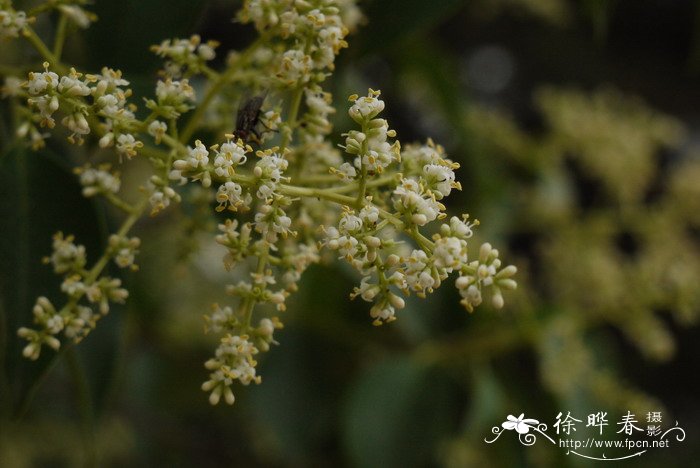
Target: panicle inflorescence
88	298
293	201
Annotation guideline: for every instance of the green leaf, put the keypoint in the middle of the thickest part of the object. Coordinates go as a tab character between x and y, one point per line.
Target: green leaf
396	414
295	402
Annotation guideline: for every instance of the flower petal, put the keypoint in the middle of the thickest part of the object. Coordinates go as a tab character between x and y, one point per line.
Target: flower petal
522	428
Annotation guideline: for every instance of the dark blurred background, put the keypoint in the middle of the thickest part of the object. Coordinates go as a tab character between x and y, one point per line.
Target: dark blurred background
574	122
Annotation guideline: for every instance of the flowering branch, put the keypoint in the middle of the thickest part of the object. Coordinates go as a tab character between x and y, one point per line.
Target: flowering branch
293	200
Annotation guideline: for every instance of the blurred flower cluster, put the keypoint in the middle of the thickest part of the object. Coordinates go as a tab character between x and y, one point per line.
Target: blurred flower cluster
604	200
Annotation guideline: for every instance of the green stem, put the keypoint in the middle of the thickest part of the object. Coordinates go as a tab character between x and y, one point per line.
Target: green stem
194	121
60	36
333	196
294	191
317	179
220	82
363	186
372	183
363	170
292	121
143	126
153	152
44	51
421	240
249	303
118	202
40	9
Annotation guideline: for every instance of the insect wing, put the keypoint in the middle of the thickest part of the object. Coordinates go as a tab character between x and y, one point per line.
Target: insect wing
248	115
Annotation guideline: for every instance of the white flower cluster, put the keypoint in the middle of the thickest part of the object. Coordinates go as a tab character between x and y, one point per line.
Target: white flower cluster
111	104
417	205
366	239
98	180
313	32
174	97
374	153
49	93
236	241
197	165
233	361
268	171
279	198
187	56
160	194
287	261
11	21
124	250
365	234
485	272
76	319
234	357
316	123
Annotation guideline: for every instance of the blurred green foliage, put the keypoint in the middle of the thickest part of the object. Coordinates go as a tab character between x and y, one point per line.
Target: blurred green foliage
594	192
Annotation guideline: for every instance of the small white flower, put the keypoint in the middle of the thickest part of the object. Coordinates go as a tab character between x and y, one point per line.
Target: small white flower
347	171
382	313
98	180
440	179
66	255
198	157
349	223
295	68
157	129
76	123
410	200
127	145
161	197
366	108
12	22
347	246
228	156
73	85
369	215
230	195
107	82
77	15
450	253
12	87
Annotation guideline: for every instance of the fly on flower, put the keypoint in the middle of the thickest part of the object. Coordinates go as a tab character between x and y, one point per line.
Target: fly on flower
248	118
